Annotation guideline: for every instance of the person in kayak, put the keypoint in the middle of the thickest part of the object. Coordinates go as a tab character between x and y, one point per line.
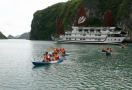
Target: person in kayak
55	57
46	57
103	49
124	45
55	51
108	52
62	50
111	50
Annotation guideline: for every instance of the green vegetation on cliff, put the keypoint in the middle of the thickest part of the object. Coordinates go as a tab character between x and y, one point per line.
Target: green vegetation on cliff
44	21
116	6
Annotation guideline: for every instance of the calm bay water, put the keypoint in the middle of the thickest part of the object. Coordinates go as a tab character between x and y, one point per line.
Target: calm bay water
87	68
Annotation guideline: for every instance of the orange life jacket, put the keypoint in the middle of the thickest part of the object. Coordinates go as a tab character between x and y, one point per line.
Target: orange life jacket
47	56
64	51
55	52
61	50
56	56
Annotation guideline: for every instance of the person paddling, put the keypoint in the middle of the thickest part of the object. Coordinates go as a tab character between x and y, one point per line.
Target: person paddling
62	50
55	57
124	45
111	50
103	49
108	52
55	51
46	57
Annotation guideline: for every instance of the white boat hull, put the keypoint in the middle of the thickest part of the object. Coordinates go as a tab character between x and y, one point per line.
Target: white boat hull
106	41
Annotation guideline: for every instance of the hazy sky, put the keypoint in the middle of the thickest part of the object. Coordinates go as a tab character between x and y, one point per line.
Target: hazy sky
16	15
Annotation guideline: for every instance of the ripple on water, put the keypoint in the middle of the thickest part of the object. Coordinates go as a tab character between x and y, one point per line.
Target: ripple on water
85	69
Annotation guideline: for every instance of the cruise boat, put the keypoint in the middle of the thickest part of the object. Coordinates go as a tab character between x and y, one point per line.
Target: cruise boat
93	35
107	34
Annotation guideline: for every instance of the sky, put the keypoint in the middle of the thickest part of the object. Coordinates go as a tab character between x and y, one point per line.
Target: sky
16	15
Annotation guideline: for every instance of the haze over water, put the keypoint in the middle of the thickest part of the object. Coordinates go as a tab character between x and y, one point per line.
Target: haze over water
87	68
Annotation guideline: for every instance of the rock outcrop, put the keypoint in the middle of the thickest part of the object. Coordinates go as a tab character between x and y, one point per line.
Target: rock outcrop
44	21
2	36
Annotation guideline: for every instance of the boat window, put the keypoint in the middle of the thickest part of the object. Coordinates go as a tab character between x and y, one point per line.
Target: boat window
118	39
75	39
104	29
115	39
98	39
69	38
80	30
69	34
98	31
84	34
92	30
110	30
97	34
83	38
86	30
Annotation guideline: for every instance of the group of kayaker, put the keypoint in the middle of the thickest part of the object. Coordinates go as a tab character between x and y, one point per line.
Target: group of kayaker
54	55
108	50
59	50
123	45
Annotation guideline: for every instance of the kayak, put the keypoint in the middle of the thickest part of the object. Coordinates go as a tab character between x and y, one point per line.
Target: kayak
123	47
103	50
46	63
67	54
108	53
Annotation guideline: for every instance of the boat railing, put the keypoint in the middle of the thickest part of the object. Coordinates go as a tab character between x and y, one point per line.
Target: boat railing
73	37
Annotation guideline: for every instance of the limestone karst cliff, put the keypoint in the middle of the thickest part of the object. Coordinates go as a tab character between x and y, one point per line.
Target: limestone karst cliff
44	21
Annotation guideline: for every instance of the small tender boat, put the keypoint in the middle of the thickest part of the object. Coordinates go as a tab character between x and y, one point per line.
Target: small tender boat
46	63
